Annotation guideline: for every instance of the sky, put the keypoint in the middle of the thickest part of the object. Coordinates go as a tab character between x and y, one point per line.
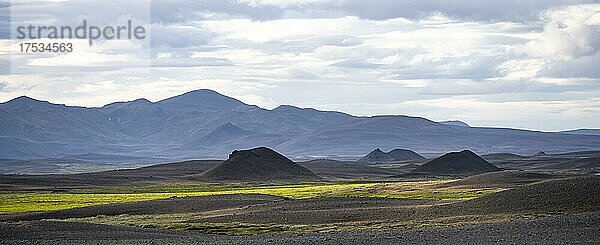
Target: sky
500	63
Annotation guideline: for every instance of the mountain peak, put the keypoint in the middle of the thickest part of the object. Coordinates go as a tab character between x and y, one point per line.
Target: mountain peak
287	107
23	99
229	128
202	91
142	101
138	103
202	99
456	123
258	151
223	133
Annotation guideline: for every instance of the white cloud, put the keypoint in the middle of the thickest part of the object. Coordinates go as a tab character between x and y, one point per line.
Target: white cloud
281	3
569	33
519	114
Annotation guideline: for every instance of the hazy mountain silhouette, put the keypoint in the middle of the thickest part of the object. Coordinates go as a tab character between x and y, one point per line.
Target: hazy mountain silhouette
258	164
224	133
378	156
455	123
206	124
583	131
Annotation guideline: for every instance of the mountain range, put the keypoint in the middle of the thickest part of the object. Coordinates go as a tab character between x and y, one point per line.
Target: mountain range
206	124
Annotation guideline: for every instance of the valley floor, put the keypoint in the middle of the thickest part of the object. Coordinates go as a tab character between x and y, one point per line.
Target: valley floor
563	229
164	204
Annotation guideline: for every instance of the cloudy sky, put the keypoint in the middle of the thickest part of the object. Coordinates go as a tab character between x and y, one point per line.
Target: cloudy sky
504	63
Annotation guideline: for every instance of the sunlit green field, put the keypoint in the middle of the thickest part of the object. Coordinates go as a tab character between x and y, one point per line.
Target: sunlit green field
43	201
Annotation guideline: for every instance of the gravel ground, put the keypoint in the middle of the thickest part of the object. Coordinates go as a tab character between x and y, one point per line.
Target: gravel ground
161	206
325	211
579	229
504	179
580	194
254	209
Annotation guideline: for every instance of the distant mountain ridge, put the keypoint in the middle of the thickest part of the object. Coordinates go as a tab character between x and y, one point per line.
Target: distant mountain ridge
206	124
455	123
583	131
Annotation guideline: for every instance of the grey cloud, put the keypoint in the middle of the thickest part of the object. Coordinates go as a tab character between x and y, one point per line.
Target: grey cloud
301	74
6	87
472	87
4	20
5	66
476	66
489	87
497	10
355	64
490	10
173	11
584	67
191	62
178	36
341	40
581	86
171	58
73	12
309	44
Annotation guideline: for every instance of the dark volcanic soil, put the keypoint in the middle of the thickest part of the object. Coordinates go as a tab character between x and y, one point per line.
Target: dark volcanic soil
504	179
152	174
580	194
578	229
323	211
332	169
162	206
252	209
573	195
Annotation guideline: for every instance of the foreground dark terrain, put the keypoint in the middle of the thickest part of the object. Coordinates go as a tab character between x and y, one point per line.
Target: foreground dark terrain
545	199
561	229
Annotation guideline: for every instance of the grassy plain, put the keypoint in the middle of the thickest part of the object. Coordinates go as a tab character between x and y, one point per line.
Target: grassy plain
11	202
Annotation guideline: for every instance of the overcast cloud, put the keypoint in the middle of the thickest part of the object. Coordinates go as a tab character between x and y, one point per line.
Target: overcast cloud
510	63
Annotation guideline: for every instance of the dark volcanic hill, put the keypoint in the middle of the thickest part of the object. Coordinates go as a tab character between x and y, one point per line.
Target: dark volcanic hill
456	163
378	156
258	164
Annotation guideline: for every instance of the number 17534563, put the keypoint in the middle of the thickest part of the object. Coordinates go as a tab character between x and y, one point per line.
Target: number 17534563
33	47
